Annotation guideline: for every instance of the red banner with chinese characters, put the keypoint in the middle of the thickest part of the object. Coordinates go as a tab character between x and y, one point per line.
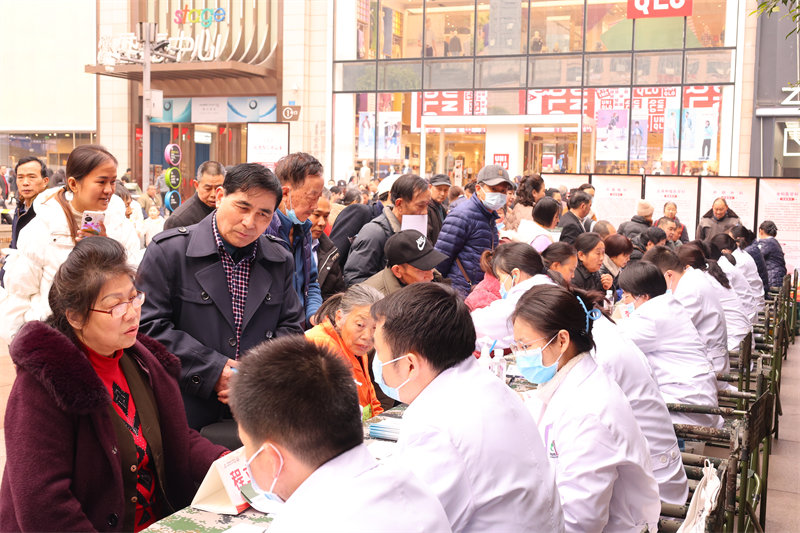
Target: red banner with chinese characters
640	9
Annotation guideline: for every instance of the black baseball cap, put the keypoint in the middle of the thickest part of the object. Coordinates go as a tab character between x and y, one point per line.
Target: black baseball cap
414	248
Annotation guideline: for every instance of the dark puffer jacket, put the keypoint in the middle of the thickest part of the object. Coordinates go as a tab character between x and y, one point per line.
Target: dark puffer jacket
633	227
467	232
773	257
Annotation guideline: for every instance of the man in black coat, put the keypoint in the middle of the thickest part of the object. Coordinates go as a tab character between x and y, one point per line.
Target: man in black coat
571	223
325	253
440	189
218	288
209	178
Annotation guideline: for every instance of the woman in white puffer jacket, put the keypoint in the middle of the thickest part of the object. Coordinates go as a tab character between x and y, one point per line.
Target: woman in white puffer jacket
48	239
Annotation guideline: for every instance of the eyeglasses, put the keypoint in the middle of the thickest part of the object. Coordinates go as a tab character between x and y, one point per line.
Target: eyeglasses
522	347
119	310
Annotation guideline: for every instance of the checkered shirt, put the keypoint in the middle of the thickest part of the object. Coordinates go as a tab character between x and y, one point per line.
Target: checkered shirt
238	277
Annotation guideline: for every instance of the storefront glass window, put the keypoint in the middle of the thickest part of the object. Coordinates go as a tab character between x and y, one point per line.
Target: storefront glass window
450	26
654	127
397	147
399	75
52	148
556	27
708	66
605	130
356	30
659	33
502	27
495	72
658	68
712	24
400	29
701	129
608	69
354	142
607	27
448	73
356	76
500	102
555	71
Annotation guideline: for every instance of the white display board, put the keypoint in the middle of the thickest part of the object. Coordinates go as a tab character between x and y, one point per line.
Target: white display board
779	201
615	197
658	190
266	143
739	193
570	181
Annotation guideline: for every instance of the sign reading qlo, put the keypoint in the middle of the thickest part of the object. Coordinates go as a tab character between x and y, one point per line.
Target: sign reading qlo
639	9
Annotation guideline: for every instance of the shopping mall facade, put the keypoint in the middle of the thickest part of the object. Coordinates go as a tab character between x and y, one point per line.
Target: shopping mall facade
565	86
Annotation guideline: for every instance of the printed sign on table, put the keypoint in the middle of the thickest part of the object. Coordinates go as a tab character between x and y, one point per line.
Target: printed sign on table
658	190
220	491
739	193
779	201
615	197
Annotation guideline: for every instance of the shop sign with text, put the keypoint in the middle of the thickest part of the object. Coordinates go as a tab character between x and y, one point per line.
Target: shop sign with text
639	9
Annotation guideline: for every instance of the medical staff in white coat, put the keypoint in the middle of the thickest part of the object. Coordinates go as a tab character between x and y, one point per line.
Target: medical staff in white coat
465	433
317	463
695	293
737	322
625	363
744	261
721	248
602	461
518	267
662	330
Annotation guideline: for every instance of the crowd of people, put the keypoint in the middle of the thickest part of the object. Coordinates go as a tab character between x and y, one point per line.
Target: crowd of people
277	313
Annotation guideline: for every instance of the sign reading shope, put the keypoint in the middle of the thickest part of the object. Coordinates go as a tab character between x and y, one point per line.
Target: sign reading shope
202	16
638	9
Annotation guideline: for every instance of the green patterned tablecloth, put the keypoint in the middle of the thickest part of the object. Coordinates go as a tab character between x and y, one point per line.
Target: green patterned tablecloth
196	521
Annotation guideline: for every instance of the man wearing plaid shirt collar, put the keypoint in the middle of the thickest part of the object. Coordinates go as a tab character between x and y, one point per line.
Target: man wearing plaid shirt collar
218	288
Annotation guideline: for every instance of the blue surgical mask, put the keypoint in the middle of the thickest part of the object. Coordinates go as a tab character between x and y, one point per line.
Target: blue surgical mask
530	365
268	494
291	214
503	291
494	200
377	370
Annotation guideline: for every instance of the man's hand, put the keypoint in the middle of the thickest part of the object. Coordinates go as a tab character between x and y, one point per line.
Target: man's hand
222	388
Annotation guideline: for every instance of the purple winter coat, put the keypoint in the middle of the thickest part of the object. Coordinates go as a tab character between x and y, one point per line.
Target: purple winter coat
63	470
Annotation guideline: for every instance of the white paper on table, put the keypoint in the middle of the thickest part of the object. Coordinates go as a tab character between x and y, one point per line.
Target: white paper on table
382	449
417	222
245	528
220	490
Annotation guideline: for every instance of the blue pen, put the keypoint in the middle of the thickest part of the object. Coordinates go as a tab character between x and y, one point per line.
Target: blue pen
491	350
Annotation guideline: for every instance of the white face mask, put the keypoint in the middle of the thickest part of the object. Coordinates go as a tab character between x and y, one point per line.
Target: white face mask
268	494
494	200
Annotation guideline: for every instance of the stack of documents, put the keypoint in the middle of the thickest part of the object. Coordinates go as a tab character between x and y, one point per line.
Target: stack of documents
386	429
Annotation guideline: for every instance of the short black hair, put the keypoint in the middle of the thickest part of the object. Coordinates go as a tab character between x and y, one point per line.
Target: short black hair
28	159
351	196
769	228
299	395
551	308
585	186
577	198
470	187
511	255
663	221
663	258
406	186
552	192
246	176
292	169
212	168
603	228
654	235
336	190
642	278
586	242
545	210
430	320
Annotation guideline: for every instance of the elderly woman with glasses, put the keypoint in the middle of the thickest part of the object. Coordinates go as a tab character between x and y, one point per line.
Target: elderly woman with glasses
96	434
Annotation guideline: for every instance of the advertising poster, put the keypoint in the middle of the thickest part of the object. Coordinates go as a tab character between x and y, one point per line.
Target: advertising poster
658	190
739	193
615	197
175	110
779	201
612	135
252	109
699	140
266	143
389	129
366	134
671	125
639	138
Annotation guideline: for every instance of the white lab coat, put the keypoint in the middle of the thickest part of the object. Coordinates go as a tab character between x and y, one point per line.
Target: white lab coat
747	265
353	492
741	287
736	320
601	458
493	322
698	297
619	357
469	437
662	330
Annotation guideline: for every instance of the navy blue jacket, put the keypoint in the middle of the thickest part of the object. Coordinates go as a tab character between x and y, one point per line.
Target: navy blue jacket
467	232
305	271
755	253
773	257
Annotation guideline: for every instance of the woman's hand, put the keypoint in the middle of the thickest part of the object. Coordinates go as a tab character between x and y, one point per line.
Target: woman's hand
82	233
607	281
